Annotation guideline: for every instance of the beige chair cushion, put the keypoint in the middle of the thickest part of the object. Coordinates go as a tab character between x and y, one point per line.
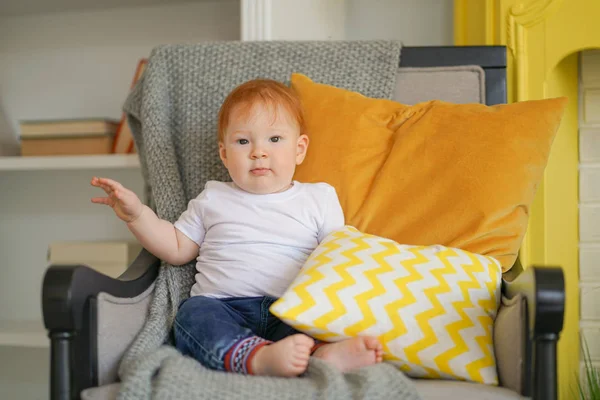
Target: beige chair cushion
444	390
119	321
509	346
462	84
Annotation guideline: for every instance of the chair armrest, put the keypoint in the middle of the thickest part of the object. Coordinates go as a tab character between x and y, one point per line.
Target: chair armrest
66	289
544	291
68	306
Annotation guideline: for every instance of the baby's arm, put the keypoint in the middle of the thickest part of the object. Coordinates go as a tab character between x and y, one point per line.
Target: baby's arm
157	236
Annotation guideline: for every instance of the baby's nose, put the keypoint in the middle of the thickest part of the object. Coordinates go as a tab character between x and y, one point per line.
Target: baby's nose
258	153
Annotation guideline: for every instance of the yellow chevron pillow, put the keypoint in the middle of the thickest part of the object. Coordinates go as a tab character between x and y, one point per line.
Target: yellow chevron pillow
432	307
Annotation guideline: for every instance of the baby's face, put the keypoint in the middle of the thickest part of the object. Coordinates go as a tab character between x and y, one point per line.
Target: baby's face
261	149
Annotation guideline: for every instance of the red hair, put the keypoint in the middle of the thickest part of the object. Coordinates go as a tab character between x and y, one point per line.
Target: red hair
268	92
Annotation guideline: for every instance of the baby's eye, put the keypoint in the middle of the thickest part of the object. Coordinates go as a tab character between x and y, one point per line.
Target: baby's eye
242	141
275	139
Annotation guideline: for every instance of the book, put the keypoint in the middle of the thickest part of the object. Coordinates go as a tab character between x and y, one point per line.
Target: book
108	257
35	129
123	142
83	145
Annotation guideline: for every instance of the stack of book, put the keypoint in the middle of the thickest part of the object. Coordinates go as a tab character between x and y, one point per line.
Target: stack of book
67	136
109	258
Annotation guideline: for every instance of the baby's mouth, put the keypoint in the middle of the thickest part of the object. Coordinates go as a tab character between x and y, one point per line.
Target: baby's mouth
260	171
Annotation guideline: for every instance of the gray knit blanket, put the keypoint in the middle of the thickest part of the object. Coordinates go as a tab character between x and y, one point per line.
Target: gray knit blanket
173	114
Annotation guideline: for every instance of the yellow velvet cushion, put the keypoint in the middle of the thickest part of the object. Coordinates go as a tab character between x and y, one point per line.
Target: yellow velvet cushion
458	175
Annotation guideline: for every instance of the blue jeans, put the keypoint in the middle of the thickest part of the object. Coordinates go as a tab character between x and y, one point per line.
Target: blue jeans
223	334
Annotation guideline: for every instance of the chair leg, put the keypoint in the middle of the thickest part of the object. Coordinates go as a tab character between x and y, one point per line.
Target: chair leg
60	374
545	384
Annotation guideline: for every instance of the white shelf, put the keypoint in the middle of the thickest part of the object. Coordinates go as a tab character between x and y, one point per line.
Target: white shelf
69	162
23	334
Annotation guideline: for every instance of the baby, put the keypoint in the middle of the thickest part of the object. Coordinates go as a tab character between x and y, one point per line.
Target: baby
250	237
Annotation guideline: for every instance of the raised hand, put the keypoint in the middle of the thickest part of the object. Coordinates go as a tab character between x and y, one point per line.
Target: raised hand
123	201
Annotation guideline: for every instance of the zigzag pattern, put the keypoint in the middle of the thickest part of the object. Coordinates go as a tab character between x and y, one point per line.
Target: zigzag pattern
432	307
398	328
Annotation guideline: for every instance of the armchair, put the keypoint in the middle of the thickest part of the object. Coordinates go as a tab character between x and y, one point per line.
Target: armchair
91	318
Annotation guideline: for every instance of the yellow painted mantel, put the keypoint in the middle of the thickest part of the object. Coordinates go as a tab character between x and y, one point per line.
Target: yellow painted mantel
544	38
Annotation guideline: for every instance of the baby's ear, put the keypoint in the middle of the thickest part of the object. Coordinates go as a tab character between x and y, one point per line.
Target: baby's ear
222	153
301	148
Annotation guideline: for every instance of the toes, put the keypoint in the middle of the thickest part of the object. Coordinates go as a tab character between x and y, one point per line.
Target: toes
300	363
299	366
303	340
372	343
302	357
304	347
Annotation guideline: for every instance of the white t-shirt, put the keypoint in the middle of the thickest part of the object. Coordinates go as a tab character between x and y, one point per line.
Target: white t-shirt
253	244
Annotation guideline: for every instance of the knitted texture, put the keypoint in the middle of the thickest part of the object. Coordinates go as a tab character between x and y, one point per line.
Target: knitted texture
172	112
184	378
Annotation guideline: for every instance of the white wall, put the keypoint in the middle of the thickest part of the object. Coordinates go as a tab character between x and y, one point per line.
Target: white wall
414	22
80	64
325	19
24	373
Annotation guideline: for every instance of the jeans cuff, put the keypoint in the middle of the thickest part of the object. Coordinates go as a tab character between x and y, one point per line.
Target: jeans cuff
239	357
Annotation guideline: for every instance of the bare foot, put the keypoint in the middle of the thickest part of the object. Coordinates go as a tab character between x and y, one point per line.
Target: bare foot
352	353
287	357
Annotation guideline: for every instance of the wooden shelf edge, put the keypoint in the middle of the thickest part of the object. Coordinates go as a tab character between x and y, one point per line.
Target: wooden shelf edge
48	163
